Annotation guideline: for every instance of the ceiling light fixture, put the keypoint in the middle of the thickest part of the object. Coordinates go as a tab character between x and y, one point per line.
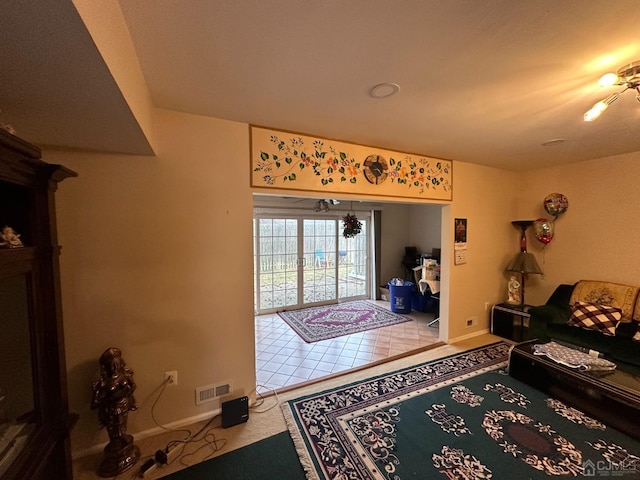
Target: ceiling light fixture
627	76
554	142
384	90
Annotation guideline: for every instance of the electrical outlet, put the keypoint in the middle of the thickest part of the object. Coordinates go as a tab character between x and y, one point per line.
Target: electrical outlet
486	306
471	321
172	375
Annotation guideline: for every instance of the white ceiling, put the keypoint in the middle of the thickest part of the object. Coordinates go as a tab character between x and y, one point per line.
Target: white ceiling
485	82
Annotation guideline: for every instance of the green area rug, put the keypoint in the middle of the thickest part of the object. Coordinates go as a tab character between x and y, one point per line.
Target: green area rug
330	321
458	417
273	457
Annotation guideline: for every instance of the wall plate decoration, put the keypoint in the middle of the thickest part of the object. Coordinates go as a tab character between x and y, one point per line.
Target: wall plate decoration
376	169
290	161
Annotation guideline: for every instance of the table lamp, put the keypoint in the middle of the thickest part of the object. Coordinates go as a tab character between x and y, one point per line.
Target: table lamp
524	262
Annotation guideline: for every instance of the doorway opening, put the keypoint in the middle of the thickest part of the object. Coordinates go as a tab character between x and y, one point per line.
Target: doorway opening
301	259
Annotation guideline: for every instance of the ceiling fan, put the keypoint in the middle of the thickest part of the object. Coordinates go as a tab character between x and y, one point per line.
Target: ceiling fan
323	205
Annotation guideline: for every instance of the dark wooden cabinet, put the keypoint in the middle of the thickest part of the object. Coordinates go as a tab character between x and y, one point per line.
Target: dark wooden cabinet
34	413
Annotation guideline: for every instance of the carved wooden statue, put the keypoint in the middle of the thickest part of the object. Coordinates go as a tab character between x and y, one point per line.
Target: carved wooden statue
113	397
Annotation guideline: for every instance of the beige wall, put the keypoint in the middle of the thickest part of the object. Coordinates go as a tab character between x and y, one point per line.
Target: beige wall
425	227
597	237
157	260
395	232
486	197
105	22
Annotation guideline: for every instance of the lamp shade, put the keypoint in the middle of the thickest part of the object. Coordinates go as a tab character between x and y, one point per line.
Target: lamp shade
524	262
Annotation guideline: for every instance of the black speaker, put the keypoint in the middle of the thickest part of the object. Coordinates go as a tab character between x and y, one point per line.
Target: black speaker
235	411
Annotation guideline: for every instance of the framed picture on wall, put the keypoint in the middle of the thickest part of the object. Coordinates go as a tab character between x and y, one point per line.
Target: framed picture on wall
460	241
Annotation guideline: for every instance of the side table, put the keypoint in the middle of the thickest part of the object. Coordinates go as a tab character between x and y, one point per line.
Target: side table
510	321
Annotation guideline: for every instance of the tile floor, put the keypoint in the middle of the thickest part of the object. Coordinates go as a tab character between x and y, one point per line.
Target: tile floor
283	359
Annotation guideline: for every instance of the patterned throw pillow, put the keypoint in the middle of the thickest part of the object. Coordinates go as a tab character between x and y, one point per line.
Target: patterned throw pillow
595	317
607	293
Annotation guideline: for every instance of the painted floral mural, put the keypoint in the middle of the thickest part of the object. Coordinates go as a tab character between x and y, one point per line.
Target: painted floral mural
298	162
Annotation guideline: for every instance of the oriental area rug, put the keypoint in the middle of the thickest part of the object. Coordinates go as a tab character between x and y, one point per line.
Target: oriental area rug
329	321
463	417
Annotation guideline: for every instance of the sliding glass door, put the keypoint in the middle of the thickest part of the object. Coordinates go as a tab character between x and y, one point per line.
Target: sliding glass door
302	260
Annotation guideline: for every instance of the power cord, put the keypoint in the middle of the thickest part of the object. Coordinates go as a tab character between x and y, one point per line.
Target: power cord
275	393
173	444
160	457
163	386
175	449
210	441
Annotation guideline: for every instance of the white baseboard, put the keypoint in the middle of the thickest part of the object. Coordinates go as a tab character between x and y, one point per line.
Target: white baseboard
177	425
468	336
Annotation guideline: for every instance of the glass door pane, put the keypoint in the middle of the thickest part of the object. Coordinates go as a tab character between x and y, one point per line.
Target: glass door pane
319	238
276	263
353	264
17	397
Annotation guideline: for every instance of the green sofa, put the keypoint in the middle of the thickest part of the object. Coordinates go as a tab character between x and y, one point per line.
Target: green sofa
550	321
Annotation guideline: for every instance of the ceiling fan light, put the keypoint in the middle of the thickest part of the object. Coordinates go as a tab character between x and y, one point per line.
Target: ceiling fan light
321	206
630	74
627	76
595	111
600	107
608	79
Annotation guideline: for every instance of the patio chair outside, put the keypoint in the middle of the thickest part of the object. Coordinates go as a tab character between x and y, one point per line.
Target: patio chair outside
321	260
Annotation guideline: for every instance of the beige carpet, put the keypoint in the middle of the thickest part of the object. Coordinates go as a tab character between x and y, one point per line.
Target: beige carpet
266	419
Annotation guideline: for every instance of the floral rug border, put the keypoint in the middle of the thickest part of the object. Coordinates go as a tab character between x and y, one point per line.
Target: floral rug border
324	408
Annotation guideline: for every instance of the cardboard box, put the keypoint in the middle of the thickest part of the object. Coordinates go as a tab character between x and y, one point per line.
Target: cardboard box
384	294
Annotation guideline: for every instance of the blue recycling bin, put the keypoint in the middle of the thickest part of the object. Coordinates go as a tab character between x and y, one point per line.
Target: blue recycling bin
421	303
400	297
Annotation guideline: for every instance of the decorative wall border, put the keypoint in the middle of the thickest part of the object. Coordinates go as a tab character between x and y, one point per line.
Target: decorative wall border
292	161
